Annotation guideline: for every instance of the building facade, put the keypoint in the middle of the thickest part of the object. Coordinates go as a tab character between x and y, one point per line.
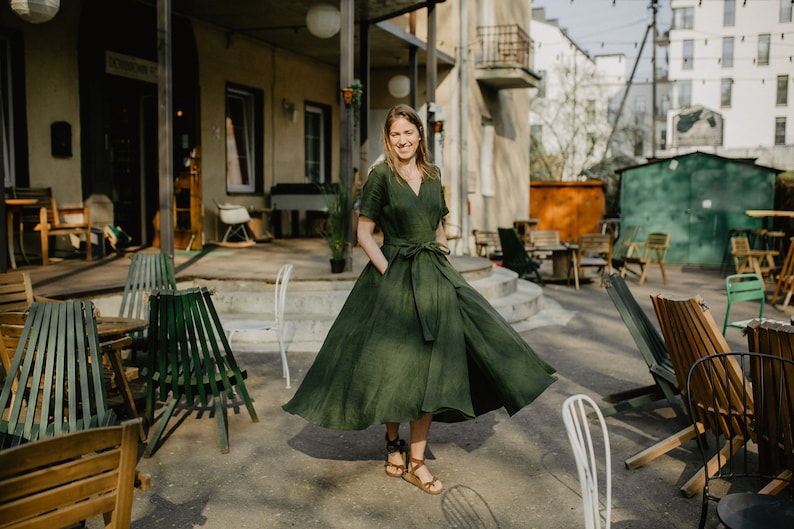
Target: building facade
730	65
257	103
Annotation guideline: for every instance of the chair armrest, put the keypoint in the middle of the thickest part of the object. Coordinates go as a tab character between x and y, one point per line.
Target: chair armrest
44	298
115	345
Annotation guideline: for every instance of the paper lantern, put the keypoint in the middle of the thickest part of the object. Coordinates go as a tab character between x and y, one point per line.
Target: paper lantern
35	11
323	21
399	86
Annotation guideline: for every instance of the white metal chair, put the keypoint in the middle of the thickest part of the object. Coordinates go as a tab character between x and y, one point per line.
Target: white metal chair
276	324
575	417
236	218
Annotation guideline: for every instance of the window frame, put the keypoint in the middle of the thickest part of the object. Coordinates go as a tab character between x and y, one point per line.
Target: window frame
784	13
726	92
323	149
688	54
781	96
250	103
680	85
684	18
729	13
780	130
764	44
727	52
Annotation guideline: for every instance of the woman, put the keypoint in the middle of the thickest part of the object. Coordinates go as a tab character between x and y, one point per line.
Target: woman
414	342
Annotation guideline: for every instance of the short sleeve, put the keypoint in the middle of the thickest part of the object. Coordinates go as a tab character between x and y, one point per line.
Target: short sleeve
374	195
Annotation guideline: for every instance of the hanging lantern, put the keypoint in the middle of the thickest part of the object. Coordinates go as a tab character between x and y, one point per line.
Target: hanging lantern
35	11
323	21
399	86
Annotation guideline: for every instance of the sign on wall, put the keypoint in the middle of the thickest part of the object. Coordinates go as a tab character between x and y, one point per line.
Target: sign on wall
130	67
697	126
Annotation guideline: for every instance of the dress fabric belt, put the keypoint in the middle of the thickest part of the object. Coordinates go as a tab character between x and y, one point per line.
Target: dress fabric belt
420	277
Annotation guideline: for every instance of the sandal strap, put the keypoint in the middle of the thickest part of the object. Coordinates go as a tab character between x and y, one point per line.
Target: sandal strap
394	446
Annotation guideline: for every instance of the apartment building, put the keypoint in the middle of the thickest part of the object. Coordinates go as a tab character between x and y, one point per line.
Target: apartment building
730	65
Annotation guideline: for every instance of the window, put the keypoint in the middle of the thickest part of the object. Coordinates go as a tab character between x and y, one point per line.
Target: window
684	18
639	106
785	11
684	93
782	90
243	138
726	91
536	134
591	107
664	106
689	51
612	109
8	156
780	131
542	86
763	49
729	13
639	144
317	143
727	52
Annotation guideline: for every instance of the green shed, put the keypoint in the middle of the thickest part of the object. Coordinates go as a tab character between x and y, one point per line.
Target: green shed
696	198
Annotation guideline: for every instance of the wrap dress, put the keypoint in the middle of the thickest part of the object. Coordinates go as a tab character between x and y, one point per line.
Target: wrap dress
418	339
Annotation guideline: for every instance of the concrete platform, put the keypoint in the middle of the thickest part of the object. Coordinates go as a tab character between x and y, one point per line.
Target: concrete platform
499	471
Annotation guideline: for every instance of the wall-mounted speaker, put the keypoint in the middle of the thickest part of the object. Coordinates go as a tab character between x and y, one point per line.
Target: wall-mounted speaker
61	139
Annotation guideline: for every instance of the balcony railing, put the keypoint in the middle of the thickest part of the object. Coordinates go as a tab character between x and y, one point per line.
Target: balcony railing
504	46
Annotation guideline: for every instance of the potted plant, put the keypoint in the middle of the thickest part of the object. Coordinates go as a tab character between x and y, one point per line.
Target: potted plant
338	222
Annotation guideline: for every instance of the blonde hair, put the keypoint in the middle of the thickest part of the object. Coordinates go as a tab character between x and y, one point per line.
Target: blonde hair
422	154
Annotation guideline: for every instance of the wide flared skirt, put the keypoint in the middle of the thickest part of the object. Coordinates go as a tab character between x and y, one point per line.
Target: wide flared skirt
418	340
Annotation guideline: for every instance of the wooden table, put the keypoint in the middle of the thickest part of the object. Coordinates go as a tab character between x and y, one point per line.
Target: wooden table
560	259
113	334
14	207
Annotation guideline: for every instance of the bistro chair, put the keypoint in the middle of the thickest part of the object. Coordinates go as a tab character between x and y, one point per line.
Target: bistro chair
516	258
190	357
276	324
737	415
576	411
743	287
594	250
644	254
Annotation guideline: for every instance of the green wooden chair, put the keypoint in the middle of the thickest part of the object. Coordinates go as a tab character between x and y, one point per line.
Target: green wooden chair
55	383
653	351
515	257
147	272
744	287
189	356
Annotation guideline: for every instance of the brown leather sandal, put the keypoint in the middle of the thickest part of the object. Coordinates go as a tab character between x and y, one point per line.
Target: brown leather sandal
411	477
397	446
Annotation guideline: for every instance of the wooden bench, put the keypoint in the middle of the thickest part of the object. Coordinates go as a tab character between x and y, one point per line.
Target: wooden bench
60	482
47	218
487	243
652	349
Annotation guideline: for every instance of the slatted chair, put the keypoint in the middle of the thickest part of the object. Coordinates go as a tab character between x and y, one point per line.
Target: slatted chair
653	350
16	292
48	219
643	254
62	481
594	250
190	357
690	333
487	243
55	381
626	239
516	258
785	277
748	260
147	272
743	287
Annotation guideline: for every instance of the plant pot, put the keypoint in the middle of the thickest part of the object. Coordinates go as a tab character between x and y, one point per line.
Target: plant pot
347	95
337	266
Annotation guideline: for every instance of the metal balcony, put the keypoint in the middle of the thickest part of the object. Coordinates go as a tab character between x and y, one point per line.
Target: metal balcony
505	57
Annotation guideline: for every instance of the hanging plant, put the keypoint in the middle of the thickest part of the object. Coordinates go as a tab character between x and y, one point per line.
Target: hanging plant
352	97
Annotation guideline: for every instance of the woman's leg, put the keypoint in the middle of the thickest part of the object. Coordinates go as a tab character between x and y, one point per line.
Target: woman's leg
420	428
395	454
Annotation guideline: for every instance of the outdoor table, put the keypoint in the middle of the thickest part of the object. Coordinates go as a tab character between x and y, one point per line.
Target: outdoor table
768	215
111	328
14	207
560	259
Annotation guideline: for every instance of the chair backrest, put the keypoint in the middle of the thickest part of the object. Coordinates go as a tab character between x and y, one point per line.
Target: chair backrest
656	246
514	256
61	481
648	340
16	291
764	414
484	240
544	238
744	287
56	371
147	272
44	200
740	245
595	244
280	293
575	412
627	236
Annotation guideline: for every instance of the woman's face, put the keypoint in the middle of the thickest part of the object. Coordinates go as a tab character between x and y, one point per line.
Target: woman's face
404	139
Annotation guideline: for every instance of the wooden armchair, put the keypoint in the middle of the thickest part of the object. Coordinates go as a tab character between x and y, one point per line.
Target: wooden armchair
653	250
60	482
487	243
594	250
46	218
748	260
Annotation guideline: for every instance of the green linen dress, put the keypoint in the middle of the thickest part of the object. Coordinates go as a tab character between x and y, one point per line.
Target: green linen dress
418	339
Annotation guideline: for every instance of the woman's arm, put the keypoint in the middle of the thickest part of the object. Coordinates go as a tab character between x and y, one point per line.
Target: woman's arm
365	231
441	236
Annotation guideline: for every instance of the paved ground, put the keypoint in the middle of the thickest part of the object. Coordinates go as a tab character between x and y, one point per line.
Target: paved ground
499	471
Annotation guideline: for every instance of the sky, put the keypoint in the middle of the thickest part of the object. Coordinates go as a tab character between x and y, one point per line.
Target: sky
604	27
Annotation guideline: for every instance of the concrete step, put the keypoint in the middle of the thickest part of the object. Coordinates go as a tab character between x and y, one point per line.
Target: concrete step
312	306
